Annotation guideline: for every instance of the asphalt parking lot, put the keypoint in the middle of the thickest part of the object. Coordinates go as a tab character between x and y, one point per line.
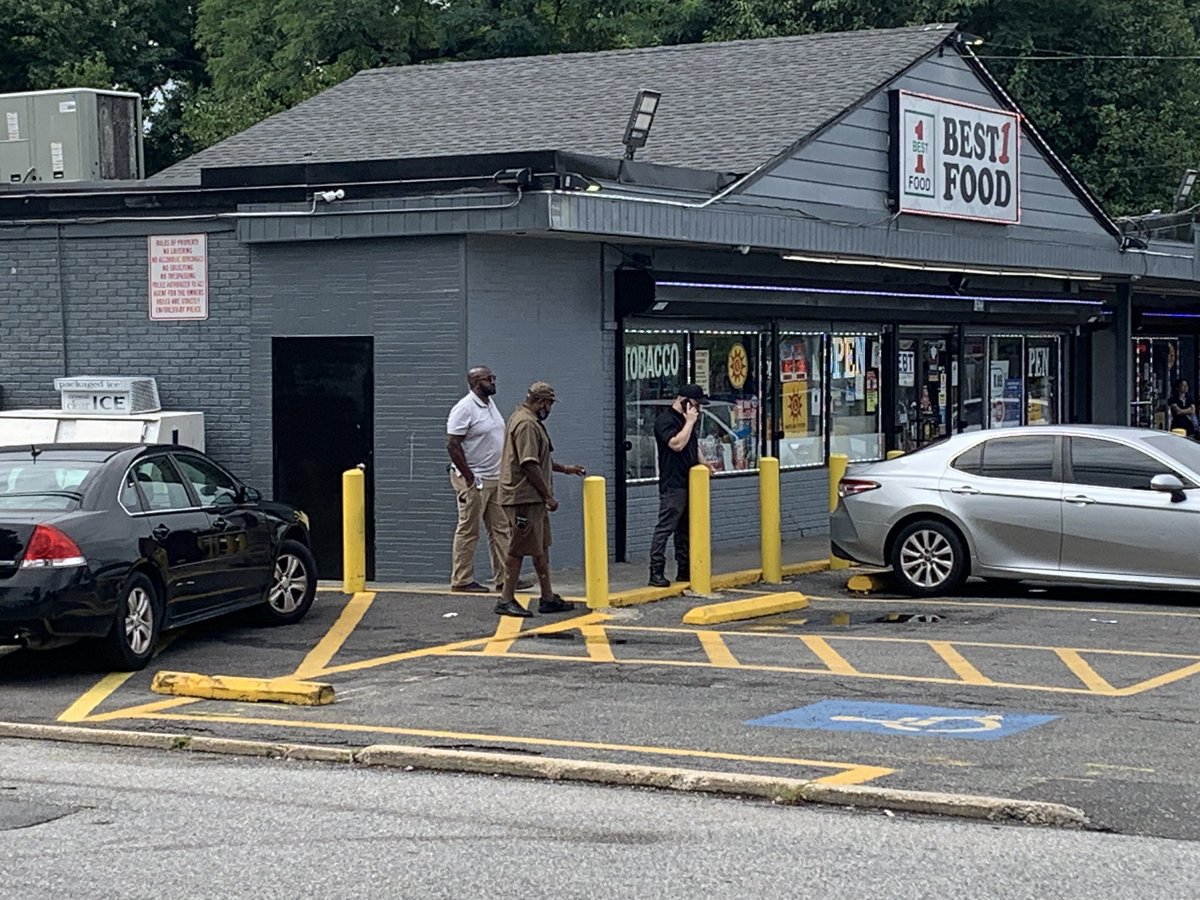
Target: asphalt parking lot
1080	697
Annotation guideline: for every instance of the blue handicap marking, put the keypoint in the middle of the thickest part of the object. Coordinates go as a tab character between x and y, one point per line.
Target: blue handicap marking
914	721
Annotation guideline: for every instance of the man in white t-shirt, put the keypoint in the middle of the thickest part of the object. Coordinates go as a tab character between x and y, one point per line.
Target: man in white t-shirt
475	440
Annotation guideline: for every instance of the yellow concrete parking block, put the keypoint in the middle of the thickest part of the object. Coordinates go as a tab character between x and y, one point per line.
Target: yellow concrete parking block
866	583
226	687
752	608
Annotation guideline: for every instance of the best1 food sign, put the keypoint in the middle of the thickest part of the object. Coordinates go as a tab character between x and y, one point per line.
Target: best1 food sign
953	159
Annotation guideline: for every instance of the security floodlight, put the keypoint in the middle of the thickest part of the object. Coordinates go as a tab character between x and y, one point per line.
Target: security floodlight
966	39
640	121
1184	191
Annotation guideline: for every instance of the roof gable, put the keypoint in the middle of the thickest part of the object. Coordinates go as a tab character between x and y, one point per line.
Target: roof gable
726	107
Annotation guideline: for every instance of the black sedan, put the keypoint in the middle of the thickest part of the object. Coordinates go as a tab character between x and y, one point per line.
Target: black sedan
118	542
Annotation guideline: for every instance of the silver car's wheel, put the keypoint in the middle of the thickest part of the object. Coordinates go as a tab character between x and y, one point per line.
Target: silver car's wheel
293	584
928	558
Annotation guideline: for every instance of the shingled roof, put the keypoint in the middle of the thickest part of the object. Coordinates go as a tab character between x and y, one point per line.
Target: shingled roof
726	107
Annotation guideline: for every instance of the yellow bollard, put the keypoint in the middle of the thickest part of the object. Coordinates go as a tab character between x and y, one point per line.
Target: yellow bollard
699	531
837	471
892	454
1179	431
595	542
768	519
354	531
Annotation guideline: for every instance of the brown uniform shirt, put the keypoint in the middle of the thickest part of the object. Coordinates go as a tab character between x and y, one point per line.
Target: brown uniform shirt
525	440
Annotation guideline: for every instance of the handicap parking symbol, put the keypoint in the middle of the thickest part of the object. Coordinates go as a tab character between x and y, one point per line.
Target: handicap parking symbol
911	721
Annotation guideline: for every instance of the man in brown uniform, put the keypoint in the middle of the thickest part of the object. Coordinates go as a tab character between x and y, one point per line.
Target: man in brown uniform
527	494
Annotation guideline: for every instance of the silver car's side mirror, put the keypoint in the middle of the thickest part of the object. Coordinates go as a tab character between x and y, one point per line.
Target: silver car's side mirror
1168	484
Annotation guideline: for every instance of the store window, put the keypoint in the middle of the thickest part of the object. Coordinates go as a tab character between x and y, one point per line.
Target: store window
1006	382
1024	377
1041	380
974	383
1155	370
801	384
854	415
655	366
726	365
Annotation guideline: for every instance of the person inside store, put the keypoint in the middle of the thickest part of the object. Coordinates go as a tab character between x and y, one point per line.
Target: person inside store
675	433
1183	409
527	495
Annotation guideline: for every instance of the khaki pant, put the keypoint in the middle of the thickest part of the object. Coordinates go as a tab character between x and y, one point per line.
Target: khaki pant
476	505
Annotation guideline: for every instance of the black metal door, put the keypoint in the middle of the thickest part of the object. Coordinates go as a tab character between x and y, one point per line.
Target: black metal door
323	393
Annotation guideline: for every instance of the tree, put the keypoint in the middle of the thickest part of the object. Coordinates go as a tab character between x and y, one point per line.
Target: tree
1127	127
264	56
143	46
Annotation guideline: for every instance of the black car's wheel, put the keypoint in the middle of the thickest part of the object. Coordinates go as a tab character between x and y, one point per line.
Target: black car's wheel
293	585
130	641
928	558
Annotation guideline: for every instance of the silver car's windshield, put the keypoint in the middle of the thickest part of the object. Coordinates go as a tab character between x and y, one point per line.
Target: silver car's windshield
1187	452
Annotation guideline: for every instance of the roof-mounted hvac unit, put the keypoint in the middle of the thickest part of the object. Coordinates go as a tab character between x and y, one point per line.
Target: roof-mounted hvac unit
109	394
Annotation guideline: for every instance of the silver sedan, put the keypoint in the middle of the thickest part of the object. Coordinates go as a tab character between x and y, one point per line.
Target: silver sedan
1080	503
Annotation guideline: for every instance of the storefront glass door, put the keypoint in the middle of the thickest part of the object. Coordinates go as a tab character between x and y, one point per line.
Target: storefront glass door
1155	369
924	389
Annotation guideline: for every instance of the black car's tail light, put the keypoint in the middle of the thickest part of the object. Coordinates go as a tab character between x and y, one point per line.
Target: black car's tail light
850	486
49	547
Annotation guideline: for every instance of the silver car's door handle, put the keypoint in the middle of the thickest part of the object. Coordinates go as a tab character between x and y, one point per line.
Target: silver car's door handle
964	489
1079	500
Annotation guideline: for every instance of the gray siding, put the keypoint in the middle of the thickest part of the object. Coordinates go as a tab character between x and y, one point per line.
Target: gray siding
409	295
200	366
534	313
843	173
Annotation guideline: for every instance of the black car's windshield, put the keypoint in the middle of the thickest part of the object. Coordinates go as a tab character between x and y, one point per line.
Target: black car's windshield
51	481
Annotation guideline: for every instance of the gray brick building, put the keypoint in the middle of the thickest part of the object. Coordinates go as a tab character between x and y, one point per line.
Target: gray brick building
764	242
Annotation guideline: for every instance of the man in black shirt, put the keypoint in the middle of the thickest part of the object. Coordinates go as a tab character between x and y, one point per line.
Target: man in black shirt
678	450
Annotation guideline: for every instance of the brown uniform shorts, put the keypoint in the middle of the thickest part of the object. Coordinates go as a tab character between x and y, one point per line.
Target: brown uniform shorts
530	529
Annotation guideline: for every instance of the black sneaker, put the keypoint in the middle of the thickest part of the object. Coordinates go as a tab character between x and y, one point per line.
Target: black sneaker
511	608
658	581
554	604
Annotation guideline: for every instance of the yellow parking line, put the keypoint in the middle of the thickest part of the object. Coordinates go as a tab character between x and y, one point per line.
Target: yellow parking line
1084	672
794	670
318	658
1044	607
955	661
850	773
597	643
82	708
506	632
718	652
1158	681
143	710
834	660
446	649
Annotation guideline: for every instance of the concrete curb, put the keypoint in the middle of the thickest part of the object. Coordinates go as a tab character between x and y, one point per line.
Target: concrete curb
787	791
751	608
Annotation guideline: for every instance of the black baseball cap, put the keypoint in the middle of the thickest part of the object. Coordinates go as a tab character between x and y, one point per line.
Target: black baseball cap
693	392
